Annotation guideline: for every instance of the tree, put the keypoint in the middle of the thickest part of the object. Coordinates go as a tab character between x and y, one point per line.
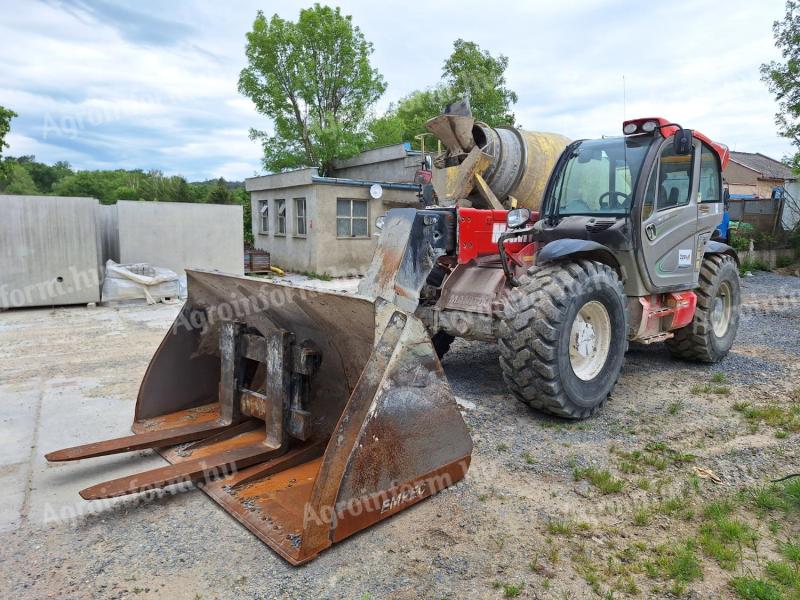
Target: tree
476	74
5	126
783	77
18	181
313	79
243	197
220	194
467	72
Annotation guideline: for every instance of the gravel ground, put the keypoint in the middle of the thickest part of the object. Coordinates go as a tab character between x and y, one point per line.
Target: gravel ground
498	527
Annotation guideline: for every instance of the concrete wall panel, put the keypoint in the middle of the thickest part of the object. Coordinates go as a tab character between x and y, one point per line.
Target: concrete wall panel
182	236
49	252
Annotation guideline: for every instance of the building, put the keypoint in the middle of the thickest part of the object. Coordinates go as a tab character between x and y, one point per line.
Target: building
327	224
751	179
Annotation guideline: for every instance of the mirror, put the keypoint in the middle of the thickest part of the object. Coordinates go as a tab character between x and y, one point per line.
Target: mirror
683	142
518	217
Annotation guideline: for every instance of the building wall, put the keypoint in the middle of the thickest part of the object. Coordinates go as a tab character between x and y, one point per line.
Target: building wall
180	236
742	180
290	251
390	164
321	251
49	252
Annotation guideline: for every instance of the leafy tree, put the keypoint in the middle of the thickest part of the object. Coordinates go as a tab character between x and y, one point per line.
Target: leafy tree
242	197
5	126
220	194
467	72
783	77
476	74
18	180
313	79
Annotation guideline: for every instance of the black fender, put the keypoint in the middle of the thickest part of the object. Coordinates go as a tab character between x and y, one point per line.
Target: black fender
572	248
715	247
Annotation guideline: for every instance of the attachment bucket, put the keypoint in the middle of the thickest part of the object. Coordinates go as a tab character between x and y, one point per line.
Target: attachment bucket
307	415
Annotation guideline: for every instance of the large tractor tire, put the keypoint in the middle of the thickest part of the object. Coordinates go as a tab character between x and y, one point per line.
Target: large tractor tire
710	335
563	337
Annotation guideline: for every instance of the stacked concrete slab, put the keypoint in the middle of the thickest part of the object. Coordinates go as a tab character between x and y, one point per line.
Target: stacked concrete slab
49	251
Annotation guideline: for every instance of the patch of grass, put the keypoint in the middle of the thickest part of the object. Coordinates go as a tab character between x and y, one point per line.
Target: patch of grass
753	265
718	377
642	516
750	588
643	483
783	417
566	527
783	261
678	562
790	551
767	498
510	590
784	573
602	480
501	447
528	458
675	407
676	506
722	536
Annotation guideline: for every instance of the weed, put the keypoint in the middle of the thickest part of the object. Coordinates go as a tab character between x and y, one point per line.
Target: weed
790	551
643	483
602	480
675	407
750	588
783	573
774	415
502	447
528	458
783	261
676	506
642	516
510	590
718	377
566	527
678	562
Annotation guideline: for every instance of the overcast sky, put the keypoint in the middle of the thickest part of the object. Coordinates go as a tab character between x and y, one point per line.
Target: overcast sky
152	85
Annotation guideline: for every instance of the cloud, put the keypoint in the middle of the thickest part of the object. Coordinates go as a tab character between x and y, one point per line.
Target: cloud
152	85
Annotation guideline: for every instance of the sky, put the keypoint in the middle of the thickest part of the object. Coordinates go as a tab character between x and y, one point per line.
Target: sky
152	85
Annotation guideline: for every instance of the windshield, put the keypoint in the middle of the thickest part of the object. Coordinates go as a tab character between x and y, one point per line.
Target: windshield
599	176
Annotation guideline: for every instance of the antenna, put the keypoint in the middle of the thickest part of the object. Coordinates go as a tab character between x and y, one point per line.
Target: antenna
624	99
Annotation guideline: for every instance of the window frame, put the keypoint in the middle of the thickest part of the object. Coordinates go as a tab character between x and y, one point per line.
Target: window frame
351	218
298	216
280	221
263	217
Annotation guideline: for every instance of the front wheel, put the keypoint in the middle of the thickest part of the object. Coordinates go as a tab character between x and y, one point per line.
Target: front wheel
563	337
710	335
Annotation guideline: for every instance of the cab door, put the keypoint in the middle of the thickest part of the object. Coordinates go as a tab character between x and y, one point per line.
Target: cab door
669	254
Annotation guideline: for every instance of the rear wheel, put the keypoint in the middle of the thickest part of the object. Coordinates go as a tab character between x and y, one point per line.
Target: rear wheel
563	337
710	335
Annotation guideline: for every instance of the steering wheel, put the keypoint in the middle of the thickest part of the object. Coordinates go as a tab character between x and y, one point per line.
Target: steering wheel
607	203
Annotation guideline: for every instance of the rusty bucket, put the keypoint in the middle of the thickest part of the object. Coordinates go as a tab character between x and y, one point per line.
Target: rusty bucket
307	415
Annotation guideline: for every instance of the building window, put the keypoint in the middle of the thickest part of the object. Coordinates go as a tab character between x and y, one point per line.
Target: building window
263	211
300	215
280	217
352	218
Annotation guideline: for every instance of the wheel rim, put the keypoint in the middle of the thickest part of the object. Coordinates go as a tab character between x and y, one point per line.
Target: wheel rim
590	340
722	309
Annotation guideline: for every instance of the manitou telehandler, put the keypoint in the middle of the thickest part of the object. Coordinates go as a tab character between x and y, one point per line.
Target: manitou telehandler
311	415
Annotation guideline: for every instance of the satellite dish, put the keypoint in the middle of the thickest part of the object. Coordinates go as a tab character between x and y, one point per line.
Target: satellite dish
376	191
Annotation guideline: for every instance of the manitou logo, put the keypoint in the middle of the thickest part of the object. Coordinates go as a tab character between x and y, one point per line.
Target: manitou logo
403	497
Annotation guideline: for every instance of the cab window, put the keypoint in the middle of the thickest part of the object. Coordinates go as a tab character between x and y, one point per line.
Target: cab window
670	183
709	176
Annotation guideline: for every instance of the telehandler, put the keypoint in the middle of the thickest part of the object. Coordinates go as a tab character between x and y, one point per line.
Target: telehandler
311	415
